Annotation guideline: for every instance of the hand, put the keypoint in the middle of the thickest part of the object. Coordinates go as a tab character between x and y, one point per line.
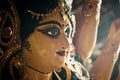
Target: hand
114	34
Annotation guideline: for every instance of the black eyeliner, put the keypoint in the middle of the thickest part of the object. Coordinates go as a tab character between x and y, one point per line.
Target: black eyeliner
46	30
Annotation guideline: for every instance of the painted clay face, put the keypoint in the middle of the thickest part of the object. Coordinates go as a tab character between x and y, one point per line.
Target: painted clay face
49	43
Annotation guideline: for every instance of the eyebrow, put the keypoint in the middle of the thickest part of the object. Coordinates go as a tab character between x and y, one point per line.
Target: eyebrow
51	22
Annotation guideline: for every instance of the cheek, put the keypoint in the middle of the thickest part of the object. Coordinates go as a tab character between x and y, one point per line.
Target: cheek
42	44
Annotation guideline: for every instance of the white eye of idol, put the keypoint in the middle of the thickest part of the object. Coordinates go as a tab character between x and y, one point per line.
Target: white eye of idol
53	32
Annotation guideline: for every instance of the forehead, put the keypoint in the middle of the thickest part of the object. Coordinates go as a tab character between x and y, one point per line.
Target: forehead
60	19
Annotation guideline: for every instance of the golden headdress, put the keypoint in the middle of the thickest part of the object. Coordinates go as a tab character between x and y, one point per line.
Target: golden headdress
9	32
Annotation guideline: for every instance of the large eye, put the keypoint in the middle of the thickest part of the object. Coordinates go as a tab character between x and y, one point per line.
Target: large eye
51	32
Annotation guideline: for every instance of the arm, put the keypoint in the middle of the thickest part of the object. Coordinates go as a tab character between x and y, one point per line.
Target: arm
87	27
118	77
103	67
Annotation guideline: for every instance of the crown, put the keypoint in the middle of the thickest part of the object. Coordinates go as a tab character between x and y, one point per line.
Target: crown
9	33
62	8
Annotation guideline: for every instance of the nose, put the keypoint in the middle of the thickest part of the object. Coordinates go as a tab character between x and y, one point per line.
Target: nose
65	43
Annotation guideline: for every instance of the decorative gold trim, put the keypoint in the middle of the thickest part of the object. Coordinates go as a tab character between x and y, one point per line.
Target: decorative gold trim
57	75
2	32
68	72
60	9
15	43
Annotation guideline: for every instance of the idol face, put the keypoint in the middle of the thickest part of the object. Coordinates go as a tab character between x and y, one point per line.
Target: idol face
49	43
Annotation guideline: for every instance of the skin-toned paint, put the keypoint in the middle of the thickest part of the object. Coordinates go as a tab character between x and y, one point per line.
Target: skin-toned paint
49	44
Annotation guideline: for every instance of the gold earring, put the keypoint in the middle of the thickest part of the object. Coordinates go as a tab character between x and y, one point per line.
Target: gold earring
15	63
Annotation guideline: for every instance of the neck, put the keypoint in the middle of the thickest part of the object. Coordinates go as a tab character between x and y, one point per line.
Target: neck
31	74
38	70
37	63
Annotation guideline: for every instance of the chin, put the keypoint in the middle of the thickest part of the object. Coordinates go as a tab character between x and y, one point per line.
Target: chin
60	61
60	64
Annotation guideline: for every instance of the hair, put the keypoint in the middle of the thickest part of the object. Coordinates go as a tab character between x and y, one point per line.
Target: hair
27	24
